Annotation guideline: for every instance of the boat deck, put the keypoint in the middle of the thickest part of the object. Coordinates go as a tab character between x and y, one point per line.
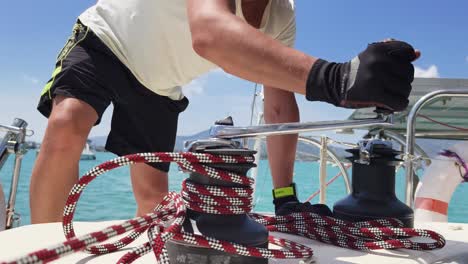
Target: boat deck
33	237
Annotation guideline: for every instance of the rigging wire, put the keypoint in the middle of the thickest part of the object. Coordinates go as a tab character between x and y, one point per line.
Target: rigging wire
252	106
442	123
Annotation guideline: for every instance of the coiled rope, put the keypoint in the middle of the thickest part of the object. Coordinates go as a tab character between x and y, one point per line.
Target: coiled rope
165	223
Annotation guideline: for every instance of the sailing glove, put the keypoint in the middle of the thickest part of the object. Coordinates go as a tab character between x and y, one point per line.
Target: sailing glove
380	76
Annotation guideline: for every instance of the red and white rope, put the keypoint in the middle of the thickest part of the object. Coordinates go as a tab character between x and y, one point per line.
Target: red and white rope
165	223
367	235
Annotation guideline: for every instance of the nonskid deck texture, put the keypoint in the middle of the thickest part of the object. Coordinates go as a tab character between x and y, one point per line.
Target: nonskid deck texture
26	239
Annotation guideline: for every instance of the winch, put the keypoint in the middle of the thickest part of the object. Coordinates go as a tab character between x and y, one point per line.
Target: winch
237	228
373	185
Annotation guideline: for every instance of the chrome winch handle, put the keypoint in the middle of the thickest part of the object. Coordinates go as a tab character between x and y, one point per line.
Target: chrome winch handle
231	132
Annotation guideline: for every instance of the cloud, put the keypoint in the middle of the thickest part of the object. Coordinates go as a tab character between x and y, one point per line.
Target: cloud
30	79
466	58
198	86
431	72
195	87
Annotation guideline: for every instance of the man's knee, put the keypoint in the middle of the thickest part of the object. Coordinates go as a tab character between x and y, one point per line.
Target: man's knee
281	113
68	126
72	114
280	106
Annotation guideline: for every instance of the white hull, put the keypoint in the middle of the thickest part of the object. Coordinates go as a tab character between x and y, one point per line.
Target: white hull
25	239
87	156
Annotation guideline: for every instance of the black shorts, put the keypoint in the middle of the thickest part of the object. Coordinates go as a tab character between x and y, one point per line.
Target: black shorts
142	121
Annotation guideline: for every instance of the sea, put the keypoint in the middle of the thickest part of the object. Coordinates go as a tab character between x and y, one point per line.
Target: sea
109	197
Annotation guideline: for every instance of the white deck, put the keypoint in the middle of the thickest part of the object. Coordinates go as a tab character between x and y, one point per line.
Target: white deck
29	238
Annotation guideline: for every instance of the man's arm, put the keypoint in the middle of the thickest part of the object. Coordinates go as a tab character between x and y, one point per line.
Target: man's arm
380	76
239	49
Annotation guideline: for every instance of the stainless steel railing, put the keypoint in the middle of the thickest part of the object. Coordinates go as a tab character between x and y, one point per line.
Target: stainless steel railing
411	134
326	152
13	143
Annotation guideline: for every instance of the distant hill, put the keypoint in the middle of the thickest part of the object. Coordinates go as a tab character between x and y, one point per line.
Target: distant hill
100	141
179	145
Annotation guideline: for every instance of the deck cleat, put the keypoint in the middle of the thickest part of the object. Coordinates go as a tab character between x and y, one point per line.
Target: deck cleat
373	185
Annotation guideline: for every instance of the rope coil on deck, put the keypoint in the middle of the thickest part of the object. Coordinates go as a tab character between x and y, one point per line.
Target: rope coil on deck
165	223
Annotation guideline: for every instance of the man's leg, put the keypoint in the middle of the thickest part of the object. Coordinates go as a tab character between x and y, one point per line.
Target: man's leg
150	185
56	167
281	107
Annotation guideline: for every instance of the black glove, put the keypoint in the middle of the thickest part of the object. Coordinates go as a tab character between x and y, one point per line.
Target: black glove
380	76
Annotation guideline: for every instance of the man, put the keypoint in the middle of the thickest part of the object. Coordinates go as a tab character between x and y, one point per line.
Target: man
138	53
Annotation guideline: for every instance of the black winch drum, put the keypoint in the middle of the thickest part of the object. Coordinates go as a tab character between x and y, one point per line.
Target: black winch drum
373	188
239	229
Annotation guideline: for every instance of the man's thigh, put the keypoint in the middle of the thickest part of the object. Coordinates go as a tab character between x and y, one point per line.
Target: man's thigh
78	75
144	121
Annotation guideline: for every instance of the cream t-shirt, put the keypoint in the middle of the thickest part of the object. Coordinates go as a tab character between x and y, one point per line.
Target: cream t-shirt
152	38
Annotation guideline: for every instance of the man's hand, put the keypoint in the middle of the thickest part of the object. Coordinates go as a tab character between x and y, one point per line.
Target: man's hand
380	76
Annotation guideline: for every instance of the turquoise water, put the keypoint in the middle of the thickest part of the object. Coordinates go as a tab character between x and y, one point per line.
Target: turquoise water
110	197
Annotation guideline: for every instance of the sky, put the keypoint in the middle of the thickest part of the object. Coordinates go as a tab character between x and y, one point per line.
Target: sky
32	32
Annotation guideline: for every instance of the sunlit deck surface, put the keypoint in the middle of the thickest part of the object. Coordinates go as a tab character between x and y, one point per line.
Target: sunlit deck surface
33	237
